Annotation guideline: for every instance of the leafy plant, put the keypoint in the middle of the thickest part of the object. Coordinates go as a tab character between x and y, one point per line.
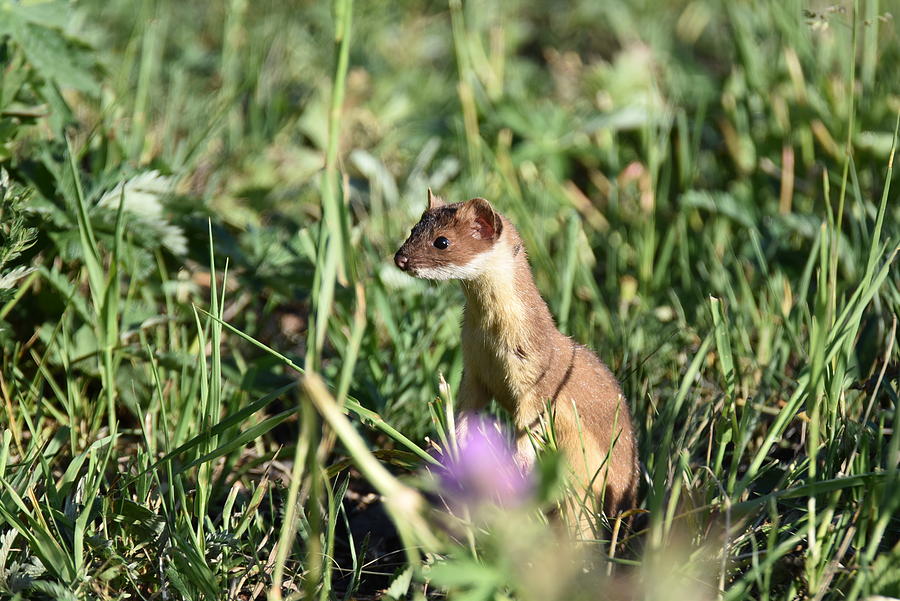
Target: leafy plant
15	235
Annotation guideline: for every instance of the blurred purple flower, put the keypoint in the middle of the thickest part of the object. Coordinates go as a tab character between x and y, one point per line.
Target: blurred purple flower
485	470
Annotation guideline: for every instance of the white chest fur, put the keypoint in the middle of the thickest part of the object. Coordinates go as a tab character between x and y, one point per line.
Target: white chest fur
496	344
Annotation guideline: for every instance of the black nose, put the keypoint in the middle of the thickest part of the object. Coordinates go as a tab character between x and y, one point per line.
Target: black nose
402	261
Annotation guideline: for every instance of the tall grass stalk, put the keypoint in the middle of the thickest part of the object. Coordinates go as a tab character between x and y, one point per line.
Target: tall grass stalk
334	255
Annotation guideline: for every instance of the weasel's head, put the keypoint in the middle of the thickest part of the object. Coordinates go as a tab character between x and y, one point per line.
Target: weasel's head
451	241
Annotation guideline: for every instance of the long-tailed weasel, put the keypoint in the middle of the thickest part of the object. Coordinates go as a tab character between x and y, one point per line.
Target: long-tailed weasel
512	351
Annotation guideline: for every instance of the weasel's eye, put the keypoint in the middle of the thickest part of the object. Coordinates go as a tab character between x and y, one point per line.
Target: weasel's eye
441	242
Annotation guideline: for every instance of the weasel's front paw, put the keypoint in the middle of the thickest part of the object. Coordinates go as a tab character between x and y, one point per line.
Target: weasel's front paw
462	428
525	455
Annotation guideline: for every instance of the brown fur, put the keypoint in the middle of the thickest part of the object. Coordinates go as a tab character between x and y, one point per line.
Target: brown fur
512	351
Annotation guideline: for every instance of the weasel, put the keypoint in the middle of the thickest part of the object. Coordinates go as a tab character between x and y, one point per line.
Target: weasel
513	353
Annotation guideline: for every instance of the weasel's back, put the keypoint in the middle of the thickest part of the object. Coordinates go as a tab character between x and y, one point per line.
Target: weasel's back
594	430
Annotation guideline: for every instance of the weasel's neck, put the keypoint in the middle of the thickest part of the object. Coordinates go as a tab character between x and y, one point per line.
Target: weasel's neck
505	303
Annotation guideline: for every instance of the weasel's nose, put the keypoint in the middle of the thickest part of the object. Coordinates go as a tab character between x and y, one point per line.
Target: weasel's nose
402	261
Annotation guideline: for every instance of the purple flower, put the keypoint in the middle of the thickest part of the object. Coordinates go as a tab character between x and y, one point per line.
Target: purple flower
485	470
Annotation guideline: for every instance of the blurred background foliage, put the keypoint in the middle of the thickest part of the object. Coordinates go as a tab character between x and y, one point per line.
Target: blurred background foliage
653	154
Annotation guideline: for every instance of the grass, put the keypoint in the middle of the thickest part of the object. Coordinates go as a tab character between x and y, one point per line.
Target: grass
215	384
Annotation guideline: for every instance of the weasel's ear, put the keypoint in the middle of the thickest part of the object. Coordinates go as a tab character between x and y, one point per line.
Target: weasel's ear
486	222
434	201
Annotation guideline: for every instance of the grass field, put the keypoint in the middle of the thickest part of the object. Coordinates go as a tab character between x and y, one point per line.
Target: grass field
216	385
